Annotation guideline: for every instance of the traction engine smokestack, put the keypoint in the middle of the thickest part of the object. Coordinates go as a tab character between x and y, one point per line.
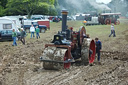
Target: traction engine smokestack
64	20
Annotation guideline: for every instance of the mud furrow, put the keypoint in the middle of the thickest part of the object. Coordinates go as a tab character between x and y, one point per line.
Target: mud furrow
44	77
47	78
20	65
83	76
66	76
38	78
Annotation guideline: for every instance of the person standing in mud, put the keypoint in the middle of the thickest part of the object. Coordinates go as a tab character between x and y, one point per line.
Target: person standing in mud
32	30
98	48
112	31
37	32
23	34
14	37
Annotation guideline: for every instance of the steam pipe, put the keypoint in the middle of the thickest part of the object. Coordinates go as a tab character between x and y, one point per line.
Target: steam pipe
64	20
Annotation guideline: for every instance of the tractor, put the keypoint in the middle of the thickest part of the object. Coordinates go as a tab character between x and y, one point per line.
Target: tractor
108	18
67	47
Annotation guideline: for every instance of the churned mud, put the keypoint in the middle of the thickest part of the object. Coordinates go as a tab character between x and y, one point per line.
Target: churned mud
21	66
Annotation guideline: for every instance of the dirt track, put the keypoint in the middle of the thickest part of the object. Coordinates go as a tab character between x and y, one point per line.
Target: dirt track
21	66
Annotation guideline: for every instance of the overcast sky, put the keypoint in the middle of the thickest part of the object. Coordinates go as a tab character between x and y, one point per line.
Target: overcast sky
104	1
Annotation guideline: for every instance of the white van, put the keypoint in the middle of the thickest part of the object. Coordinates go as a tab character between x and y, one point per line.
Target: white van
6	27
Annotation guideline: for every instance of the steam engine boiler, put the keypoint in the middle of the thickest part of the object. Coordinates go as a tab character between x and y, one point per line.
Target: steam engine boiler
68	46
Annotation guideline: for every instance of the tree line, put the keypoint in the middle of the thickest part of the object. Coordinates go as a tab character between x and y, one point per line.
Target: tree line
44	7
54	7
28	7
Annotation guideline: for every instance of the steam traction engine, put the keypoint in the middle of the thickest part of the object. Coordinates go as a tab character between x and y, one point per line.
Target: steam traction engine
68	46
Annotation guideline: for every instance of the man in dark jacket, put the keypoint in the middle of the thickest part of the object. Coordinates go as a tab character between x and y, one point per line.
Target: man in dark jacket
22	35
98	48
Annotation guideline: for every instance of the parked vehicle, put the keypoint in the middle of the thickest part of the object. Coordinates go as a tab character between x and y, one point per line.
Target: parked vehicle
18	19
55	18
108	18
27	24
91	20
44	23
80	16
6	27
37	17
103	18
51	17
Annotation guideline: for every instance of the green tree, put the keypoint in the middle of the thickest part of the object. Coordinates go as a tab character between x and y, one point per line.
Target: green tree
52	10
57	7
2	7
3	3
1	11
22	7
30	7
42	9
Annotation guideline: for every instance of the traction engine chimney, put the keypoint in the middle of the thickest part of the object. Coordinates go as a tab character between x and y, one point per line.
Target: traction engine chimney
64	20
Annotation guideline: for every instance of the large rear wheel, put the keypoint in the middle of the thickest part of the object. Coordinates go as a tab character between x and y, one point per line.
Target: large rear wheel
84	56
88	51
117	22
107	21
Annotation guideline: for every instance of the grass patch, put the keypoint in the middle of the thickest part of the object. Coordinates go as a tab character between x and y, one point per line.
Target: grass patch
100	31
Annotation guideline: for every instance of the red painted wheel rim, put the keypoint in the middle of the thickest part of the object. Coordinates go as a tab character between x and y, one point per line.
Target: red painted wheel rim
92	47
66	65
107	21
117	22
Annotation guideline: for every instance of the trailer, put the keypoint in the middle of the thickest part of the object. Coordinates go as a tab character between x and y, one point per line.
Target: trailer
6	27
15	20
44	22
19	18
27	24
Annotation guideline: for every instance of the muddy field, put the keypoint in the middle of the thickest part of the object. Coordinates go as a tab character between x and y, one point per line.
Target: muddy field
20	65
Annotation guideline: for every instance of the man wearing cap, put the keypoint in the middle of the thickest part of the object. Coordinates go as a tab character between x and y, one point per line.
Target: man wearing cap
112	31
23	34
